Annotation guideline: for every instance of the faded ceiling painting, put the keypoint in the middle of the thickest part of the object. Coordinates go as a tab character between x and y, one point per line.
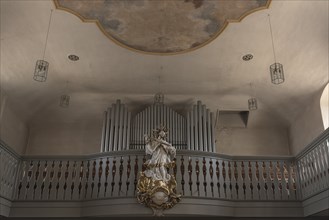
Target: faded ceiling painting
162	26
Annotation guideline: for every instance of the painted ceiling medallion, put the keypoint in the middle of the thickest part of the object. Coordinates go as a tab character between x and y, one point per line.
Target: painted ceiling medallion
162	26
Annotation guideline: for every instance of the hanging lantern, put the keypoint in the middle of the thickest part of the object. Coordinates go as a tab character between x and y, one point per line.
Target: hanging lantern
64	101
277	75
252	104
276	69
41	66
41	71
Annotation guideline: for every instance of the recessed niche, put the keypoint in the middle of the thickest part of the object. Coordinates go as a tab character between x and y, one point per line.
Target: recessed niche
235	119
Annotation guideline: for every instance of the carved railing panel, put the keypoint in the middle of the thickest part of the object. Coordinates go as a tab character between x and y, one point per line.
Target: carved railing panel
313	169
9	164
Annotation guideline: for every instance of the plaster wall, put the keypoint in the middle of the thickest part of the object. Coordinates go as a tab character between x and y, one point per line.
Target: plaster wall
74	138
13	129
307	126
252	141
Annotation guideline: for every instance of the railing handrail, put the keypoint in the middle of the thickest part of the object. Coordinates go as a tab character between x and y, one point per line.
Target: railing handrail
9	150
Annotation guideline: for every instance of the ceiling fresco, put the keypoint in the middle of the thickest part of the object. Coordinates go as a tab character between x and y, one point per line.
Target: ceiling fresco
162	26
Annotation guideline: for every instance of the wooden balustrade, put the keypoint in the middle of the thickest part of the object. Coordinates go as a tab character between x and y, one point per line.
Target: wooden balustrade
198	174
117	176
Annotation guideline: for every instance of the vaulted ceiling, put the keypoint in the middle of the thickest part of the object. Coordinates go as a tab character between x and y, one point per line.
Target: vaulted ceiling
213	71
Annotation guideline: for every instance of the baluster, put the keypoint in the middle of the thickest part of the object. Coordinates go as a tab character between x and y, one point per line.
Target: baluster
309	166
93	174
107	172
20	185
280	179
100	173
268	180
258	182
73	176
230	178
87	178
36	177
128	174
51	178
136	173
182	170
224	178
218	175
190	169
313	185
44	176
316	170
66	175
29	176
120	175
285	178
324	152
235	172
302	177
243	175
197	171
240	181
293	179
114	170
250	179
211	173
318	158
59	176
272	179
310	175
80	178
320	161
324	159
204	171
277	181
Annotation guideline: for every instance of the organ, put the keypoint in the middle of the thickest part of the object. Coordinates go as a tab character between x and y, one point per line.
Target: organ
192	131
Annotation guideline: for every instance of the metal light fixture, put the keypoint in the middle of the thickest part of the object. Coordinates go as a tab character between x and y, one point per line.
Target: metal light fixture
41	66
276	69
65	99
252	102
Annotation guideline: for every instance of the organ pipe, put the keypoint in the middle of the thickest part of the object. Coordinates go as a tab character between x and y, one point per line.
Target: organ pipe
116	128
123	132
104	132
200	129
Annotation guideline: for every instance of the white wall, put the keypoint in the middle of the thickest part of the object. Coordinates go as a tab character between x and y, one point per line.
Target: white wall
73	138
252	141
307	126
13	129
265	134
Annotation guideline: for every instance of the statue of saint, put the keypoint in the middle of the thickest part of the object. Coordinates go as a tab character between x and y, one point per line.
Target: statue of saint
156	188
161	152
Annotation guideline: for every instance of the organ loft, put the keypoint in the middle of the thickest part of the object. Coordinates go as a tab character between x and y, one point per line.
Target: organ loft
175	108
